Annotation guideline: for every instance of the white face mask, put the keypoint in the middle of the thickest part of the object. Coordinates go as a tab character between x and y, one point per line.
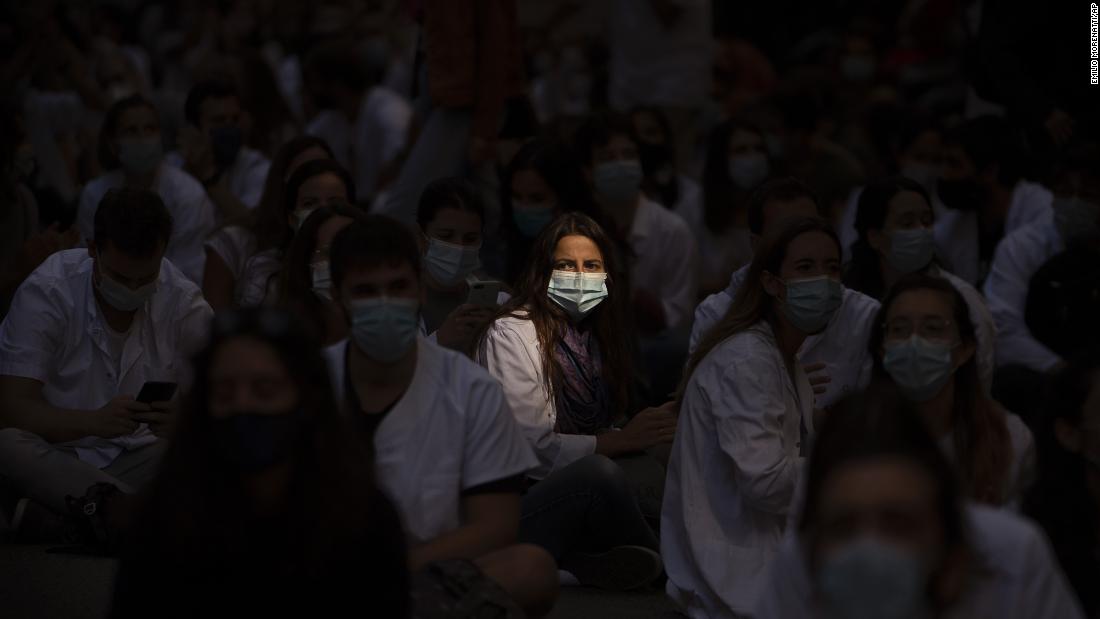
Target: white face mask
300	217
120	296
748	171
448	263
322	279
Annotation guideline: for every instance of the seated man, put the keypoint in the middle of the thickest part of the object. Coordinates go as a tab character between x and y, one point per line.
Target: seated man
447	449
86	330
836	359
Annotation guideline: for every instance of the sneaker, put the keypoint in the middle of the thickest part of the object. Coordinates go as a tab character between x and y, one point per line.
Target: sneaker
622	568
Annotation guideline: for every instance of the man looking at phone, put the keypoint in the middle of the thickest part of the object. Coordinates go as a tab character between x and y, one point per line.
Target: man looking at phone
86	330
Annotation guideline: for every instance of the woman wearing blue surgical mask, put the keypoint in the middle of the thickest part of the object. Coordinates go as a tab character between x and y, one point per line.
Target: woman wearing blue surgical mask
243	255
560	350
746	417
924	344
451	218
265	502
894	220
543	180
131	155
884	532
305	279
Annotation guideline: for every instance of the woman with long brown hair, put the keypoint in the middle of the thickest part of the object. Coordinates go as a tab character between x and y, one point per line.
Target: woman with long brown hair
924	343
746	408
560	350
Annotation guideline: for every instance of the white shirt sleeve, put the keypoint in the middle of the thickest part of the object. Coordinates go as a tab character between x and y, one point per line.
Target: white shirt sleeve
1044	592
494	447
517	365
1006	292
252	186
34	329
707	315
749	410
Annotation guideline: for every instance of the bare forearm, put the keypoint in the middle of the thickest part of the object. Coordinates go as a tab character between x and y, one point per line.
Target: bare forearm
466	542
53	424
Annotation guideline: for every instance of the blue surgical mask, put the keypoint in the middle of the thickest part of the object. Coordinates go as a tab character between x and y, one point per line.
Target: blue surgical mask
811	302
1076	219
225	144
618	181
120	296
139	155
450	264
531	221
911	250
872	579
749	170
577	293
919	367
384	329
322	279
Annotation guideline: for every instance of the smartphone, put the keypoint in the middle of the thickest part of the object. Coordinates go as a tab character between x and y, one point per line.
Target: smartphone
156	391
484	293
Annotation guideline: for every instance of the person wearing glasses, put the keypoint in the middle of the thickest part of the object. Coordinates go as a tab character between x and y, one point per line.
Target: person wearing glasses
924	343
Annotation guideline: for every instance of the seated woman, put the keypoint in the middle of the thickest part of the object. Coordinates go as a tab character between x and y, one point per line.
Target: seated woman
451	218
924	343
265	503
746	411
541	182
559	351
1065	499
305	279
242	256
894	219
885	533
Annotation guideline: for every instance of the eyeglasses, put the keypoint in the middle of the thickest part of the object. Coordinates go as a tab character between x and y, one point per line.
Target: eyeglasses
928	328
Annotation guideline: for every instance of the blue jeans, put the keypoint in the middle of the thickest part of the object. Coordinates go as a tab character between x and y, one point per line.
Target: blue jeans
587	506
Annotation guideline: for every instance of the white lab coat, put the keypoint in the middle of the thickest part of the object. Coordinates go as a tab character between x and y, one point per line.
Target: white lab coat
451	431
193	215
956	232
1018	257
254	272
665	259
735	465
842	346
1019	577
510	351
56	335
245	176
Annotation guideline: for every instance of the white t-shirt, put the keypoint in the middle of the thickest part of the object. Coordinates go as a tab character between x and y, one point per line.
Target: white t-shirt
665	259
451	431
193	215
654	65
1019	576
55	334
254	272
376	138
246	176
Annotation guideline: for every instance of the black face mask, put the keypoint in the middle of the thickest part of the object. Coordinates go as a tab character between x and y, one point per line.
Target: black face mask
253	442
963	194
226	142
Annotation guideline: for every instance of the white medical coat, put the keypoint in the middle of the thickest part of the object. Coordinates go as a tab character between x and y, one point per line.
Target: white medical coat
450	431
55	334
735	465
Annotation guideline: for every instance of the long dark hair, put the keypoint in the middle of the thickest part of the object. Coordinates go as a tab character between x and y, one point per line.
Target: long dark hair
982	444
1060	500
880	425
722	199
752	303
268	220
864	271
558	168
195	514
296	278
606	320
